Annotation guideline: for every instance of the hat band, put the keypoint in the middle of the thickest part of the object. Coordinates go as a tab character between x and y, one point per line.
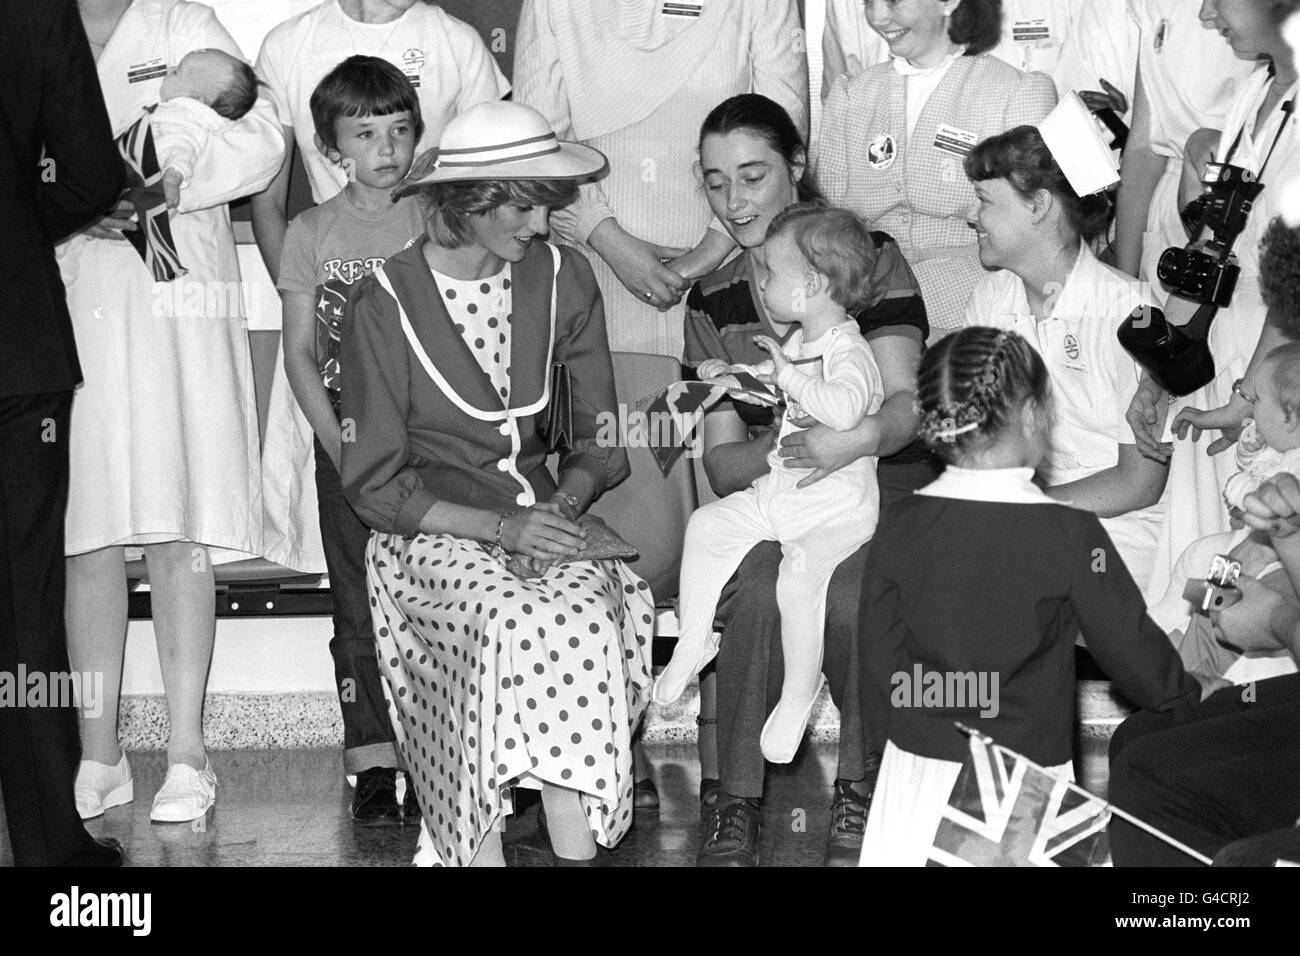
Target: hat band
512	152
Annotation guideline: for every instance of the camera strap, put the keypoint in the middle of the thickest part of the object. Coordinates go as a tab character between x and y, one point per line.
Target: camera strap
1288	109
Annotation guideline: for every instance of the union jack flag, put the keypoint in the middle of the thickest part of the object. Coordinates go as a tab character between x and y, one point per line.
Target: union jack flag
153	237
671	416
1006	811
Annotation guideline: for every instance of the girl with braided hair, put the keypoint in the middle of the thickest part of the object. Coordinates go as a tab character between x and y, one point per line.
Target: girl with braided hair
975	590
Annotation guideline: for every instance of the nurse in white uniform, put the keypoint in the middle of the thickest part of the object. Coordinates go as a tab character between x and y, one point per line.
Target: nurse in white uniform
1187	77
1034	37
1041	197
164	430
1260	127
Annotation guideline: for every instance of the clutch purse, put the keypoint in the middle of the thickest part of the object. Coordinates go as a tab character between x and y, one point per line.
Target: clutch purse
1179	363
556	426
602	543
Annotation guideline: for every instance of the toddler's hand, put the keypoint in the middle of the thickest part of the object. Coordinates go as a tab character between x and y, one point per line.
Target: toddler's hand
172	180
712	368
779	361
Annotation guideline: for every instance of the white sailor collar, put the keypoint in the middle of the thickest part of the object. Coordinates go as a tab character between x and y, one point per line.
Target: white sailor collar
1005	485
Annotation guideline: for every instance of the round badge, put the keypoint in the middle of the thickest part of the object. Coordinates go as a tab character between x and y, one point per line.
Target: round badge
881	152
1071	347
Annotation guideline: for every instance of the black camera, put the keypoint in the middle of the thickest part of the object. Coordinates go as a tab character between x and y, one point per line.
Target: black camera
1206	270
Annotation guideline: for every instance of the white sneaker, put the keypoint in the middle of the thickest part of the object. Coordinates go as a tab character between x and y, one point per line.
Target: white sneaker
100	786
186	794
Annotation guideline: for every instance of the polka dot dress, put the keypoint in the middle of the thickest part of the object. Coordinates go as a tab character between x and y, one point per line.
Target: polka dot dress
497	680
480	309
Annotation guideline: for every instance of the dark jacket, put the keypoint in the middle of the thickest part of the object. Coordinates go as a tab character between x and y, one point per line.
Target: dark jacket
416	441
50	100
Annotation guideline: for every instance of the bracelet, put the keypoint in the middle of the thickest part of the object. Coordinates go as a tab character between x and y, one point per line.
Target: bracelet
1238	390
498	549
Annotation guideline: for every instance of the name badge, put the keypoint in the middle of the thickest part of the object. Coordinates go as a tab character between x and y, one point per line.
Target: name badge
1031	31
881	152
950	139
412	63
148	70
682	9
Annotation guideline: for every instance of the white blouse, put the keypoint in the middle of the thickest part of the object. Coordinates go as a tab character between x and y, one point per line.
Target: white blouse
481	310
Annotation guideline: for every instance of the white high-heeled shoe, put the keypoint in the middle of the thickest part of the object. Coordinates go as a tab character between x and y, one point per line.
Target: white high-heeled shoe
186	794
101	786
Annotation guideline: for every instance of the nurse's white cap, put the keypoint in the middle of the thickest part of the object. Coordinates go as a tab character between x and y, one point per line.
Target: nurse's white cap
1075	142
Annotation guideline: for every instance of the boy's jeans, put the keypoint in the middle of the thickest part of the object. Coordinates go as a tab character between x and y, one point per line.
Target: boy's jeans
367	731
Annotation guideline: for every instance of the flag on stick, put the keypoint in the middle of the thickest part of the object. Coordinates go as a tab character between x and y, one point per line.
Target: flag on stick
152	238
671	416
1006	810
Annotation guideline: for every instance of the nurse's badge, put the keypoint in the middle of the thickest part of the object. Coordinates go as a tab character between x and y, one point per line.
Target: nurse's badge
881	152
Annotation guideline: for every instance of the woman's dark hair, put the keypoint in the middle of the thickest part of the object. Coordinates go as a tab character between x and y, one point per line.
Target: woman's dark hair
1279	276
978	24
769	121
971	382
448	206
1022	158
362	86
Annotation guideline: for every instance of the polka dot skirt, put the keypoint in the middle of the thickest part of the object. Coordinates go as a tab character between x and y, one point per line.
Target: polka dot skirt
493	678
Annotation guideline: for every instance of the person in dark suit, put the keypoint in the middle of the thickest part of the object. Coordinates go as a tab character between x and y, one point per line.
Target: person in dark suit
59	172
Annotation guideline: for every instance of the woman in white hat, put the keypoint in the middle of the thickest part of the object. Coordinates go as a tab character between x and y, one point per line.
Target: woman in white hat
1041	197
507	662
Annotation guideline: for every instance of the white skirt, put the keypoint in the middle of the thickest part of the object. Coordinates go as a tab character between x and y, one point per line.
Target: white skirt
163	442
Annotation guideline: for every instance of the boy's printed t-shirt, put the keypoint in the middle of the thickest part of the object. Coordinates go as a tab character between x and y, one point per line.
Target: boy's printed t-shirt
329	248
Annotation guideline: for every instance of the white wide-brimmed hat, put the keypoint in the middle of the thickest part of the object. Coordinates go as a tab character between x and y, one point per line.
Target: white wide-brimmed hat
503	140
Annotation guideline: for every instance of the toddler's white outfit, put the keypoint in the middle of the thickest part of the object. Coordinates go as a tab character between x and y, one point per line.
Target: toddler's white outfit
818	527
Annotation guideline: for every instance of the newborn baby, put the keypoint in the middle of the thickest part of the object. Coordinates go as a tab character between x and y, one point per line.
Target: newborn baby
1269	445
203	92
201	96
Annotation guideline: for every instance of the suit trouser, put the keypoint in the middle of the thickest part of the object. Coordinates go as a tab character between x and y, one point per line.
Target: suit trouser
40	746
1230	771
750	665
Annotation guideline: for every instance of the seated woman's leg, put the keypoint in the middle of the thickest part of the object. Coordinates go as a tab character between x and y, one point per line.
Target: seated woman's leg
840	665
749	670
496	678
567	824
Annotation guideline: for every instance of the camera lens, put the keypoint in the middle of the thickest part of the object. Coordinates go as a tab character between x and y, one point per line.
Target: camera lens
1173	266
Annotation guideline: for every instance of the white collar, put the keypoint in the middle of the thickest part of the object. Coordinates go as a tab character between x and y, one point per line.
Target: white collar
903	68
1007	485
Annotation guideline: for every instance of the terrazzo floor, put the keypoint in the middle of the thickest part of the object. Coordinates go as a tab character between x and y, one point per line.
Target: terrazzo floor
290	808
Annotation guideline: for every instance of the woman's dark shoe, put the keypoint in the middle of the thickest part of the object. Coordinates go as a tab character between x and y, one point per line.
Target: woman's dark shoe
731	833
645	796
374	802
97	853
848	825
710	788
565	861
